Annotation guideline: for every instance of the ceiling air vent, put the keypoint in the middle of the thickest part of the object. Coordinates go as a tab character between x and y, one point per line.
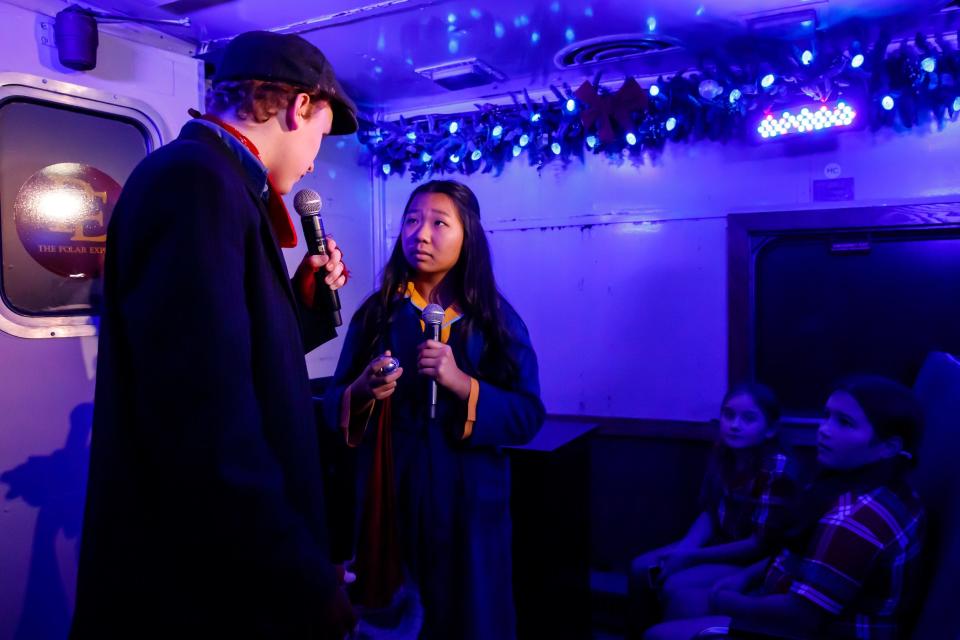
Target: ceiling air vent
186	7
612	49
461	74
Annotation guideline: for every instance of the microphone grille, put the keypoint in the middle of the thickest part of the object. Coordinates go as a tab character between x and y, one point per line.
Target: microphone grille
307	202
432	314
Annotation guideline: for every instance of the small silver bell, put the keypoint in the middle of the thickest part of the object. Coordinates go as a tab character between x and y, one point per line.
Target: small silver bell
392	365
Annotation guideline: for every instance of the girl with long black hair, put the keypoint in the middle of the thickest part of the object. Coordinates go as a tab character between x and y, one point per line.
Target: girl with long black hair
434	493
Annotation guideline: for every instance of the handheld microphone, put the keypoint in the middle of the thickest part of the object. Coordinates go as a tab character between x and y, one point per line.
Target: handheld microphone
308	203
432	319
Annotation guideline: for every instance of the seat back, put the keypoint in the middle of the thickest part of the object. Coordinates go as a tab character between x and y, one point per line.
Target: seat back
937	480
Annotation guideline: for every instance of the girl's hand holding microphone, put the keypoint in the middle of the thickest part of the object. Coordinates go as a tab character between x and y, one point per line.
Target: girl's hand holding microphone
435	360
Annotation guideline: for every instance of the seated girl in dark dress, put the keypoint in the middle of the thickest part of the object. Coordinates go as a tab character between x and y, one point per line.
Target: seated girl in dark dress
748	486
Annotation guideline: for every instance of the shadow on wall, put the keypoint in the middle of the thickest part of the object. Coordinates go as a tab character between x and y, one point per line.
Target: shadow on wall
56	485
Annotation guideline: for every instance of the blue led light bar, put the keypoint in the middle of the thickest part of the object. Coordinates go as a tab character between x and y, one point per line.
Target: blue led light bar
807	120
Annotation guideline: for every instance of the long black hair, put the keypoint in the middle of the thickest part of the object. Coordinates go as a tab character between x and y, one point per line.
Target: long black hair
470	284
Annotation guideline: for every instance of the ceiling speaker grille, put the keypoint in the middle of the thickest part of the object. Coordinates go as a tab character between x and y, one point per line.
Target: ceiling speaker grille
611	49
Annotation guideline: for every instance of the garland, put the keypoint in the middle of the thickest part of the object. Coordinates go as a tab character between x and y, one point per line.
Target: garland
903	86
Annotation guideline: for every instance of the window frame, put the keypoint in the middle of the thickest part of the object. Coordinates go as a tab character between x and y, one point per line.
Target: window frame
29	88
748	233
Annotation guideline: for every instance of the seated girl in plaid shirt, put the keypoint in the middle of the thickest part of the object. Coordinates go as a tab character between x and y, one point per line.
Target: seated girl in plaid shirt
747	488
850	562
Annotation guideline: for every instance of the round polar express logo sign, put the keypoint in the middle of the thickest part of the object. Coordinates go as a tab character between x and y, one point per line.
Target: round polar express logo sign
62	213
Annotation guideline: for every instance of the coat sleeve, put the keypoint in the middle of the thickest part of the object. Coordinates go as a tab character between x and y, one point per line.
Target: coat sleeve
182	261
315	329
510	416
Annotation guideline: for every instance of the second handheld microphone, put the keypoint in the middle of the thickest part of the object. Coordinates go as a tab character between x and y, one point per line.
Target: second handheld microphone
432	317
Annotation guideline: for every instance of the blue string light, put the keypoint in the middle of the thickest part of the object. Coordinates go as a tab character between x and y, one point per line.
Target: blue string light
498	134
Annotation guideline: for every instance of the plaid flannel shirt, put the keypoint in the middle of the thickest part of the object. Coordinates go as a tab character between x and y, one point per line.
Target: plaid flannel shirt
861	563
753	502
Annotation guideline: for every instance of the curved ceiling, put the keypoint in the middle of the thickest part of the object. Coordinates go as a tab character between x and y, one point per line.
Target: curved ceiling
376	46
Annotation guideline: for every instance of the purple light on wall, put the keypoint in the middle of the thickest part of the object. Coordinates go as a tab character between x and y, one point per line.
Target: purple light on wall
806	120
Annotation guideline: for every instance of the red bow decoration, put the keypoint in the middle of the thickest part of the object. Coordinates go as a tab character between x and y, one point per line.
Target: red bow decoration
605	110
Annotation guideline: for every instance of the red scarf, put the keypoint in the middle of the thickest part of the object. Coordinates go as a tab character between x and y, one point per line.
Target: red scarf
378	566
276	208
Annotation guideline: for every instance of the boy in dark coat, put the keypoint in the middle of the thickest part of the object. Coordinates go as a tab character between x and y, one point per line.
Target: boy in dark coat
205	512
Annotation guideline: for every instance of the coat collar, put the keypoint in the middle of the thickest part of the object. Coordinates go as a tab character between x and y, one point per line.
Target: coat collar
200	132
258	174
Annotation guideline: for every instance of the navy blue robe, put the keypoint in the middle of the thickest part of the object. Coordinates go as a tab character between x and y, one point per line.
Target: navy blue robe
452	493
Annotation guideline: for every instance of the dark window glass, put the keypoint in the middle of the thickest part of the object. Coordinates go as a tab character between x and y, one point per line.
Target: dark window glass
830	305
